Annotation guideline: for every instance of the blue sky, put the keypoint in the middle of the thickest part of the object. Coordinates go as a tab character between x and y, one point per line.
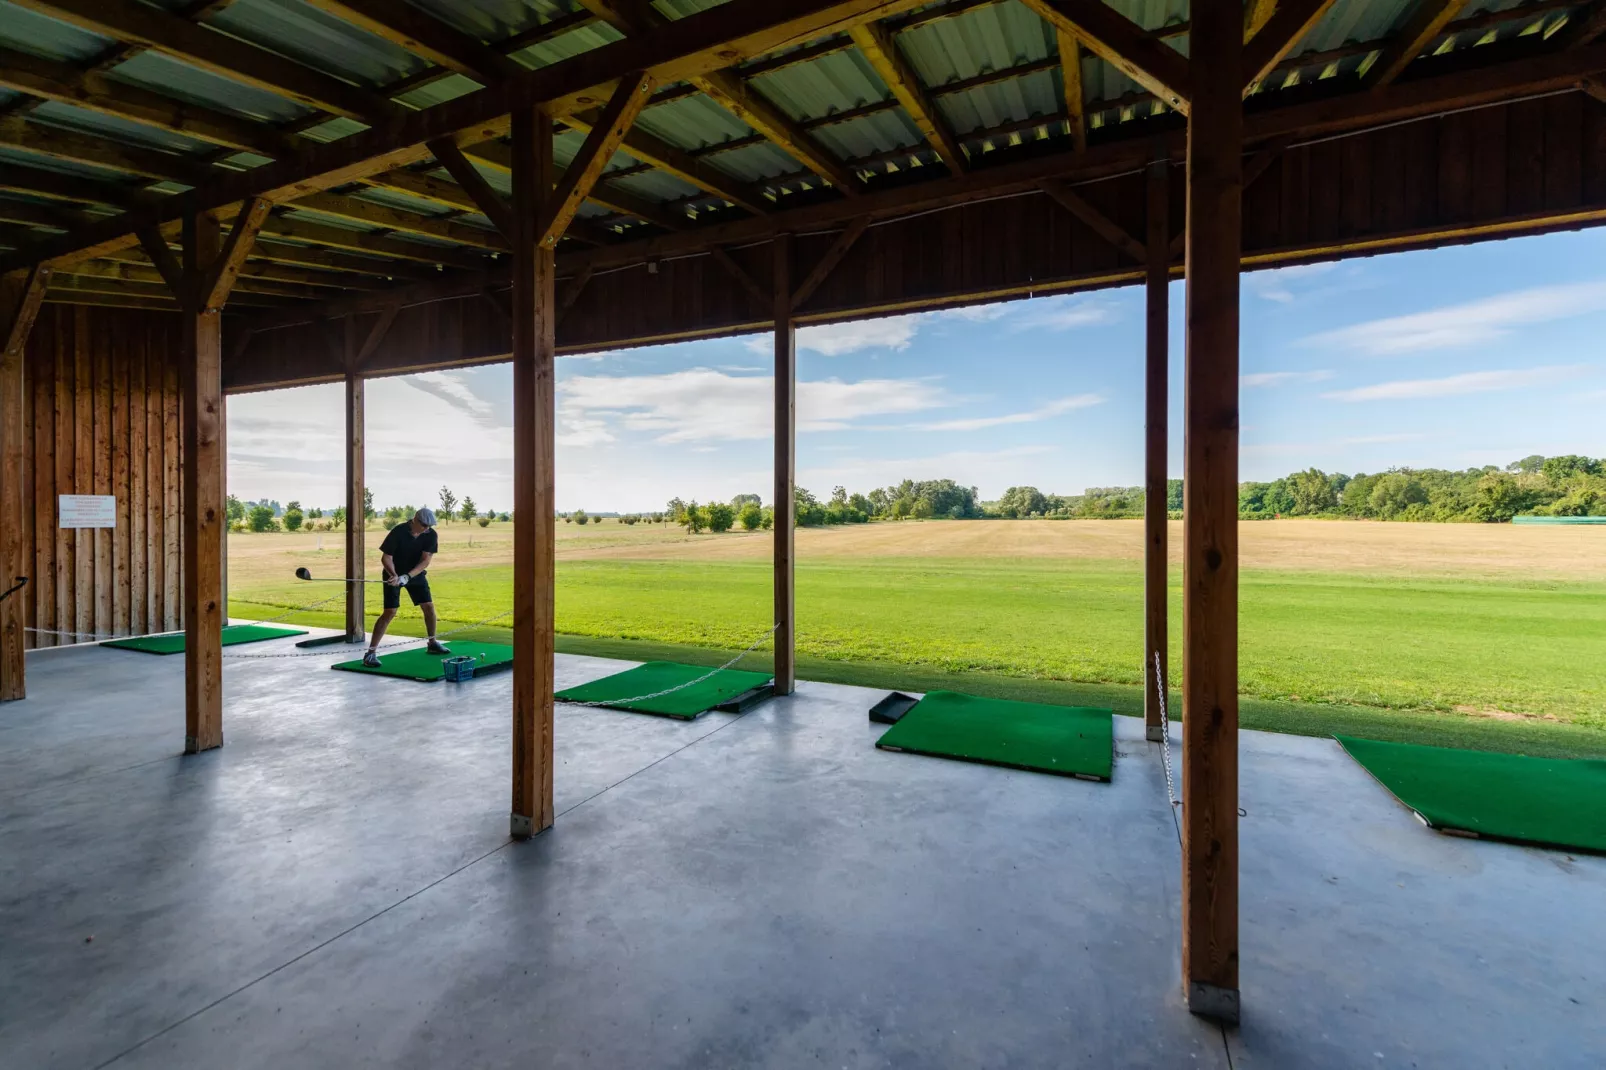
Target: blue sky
1453	358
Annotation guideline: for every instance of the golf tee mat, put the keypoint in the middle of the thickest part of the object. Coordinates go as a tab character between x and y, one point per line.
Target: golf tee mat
1553	802
1067	740
173	642
417	663
728	690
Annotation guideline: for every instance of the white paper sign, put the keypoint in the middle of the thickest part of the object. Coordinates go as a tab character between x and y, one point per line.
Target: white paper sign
88	510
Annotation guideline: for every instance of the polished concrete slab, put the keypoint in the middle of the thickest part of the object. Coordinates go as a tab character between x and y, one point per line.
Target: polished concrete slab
335	887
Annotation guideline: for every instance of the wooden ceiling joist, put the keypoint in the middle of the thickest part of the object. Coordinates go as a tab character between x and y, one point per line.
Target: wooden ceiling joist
397	219
1277	35
876	43
1425	25
479	193
229	57
1070	61
1123	44
1097	221
95	92
62	144
1585	26
420	33
753	108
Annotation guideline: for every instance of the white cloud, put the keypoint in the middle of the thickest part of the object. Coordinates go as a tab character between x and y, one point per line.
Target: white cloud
1467	324
1044	412
704	404
837	339
450	388
1064	313
1276	284
977	313
1258	379
1453	385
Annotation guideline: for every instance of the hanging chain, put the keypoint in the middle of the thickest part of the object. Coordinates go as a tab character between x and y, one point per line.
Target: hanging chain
383	646
678	687
101	636
1165	734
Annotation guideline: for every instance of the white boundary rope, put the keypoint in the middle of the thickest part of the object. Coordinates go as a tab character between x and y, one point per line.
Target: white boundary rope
383	646
678	687
101	636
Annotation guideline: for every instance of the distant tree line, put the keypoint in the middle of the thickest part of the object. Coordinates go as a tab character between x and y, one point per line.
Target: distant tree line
1534	486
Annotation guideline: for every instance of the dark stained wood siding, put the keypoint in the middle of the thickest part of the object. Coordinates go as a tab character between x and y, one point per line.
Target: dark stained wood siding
1520	168
103	419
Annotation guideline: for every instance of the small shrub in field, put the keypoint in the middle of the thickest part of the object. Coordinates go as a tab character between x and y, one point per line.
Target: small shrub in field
485	521
752	517
580	517
720	516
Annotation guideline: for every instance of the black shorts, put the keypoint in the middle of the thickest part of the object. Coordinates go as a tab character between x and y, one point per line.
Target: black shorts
417	588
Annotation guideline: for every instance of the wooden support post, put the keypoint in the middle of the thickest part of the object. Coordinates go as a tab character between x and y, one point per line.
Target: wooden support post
356	476
1156	447
534	463
1210	517
785	467
20	296
201	385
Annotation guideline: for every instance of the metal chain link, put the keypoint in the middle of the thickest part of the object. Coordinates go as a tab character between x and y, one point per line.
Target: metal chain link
101	636
678	687
1165	734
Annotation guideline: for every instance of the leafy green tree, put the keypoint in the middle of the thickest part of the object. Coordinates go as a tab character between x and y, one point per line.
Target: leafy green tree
580	517
448	503
485	521
337	516
234	509
1173	495
676	511
720	516
742	501
1021	501
1499	498
902	507
315	513
839	496
1312	492
752	516
368	504
260	518
467	510
1394	492
691	515
293	517
922	508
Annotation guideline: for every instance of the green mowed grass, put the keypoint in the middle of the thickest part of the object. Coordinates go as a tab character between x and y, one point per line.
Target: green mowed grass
1307	639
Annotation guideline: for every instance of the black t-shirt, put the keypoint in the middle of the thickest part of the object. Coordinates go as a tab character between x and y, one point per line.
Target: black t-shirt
407	549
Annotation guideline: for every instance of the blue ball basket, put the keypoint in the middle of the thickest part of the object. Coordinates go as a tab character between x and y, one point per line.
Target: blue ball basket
458	669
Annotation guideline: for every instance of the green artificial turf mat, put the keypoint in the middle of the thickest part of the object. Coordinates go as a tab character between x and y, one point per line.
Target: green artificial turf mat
173	642
417	663
1068	740
719	689
1557	802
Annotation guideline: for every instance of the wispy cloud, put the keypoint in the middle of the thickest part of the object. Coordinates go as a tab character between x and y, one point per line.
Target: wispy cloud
455	392
1278	283
704	404
1064	313
1043	412
839	339
1260	379
1454	385
1467	324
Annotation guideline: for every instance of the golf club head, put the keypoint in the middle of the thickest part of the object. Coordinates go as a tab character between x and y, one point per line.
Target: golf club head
303	573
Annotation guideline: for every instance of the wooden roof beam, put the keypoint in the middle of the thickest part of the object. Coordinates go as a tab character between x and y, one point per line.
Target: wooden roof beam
707	40
1585	26
383	215
1278	34
876	43
675	161
1123	44
1424	26
65	84
480	194
230	57
1071	78
1097	221
362	241
83	148
422	34
601	143
757	111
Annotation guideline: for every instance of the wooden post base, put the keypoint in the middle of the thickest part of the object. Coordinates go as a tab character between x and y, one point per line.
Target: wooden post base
1209	1001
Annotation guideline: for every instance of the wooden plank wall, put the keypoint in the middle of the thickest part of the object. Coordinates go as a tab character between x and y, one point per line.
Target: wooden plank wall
1526	167
103	419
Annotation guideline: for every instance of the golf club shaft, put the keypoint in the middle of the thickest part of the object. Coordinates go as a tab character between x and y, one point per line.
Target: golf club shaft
321	579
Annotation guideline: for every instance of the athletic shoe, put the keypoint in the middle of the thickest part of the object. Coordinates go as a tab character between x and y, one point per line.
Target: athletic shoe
435	647
370	660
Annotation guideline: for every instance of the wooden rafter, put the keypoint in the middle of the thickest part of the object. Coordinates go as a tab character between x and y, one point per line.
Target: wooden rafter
1256	14
605	193
678	162
1585	27
757	111
1278	35
382	215
760	295
1595	87
1097	221
420	33
1070	62
61	144
876	43
1123	44
220	276
1424	26
230	57
64	84
600	145
571	293
376	335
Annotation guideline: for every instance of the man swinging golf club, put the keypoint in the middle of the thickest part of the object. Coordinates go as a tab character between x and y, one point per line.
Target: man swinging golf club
405	556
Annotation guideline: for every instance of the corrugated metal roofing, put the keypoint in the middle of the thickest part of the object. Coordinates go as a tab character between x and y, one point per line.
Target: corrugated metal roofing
493	20
116	129
28	31
316	39
692	122
824	86
175	78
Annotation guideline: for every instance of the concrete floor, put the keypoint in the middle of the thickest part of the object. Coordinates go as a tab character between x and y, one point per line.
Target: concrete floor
335	888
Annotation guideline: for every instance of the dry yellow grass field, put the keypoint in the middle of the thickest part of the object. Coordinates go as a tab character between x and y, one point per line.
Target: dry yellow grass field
1495	550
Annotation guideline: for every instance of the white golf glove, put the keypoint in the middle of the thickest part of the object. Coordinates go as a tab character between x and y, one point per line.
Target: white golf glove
401	581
